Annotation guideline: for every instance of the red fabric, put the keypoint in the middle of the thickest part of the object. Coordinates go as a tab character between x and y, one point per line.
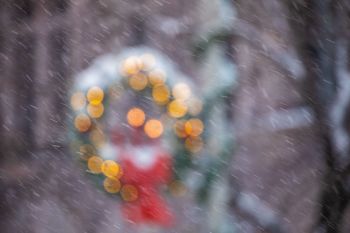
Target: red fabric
150	206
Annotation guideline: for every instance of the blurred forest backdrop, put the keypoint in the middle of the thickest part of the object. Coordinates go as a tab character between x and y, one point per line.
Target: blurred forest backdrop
290	108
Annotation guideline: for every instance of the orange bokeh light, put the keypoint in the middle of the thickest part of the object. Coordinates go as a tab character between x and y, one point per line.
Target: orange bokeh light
136	117
94	164
82	123
179	128
194	127
153	128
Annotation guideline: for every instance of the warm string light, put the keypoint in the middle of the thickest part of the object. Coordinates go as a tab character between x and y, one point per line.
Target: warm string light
161	94
131	66
153	128
177	108
178	102
95	111
95	95
138	81
112	185
78	101
190	130
95	164
194	127
82	123
156	77
110	168
136	117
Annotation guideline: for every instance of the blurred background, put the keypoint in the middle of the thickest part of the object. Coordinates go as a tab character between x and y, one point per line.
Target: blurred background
274	85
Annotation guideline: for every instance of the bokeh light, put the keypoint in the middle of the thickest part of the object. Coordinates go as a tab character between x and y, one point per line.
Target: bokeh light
131	66
153	128
194	127
110	168
160	94
95	111
82	122
177	108
138	82
78	101
157	77
179	129
181	91
95	95
136	117
112	185
94	164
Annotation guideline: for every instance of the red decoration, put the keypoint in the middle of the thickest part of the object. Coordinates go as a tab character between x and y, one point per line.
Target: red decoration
147	176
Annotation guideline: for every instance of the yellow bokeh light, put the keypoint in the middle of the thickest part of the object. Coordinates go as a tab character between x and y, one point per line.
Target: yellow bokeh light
94	164
194	144
112	185
177	108
78	101
148	61
194	127
156	77
179	128
138	82
160	94
110	168
95	111
136	117
129	193
82	123
95	95
181	91
131	66
195	106
153	128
